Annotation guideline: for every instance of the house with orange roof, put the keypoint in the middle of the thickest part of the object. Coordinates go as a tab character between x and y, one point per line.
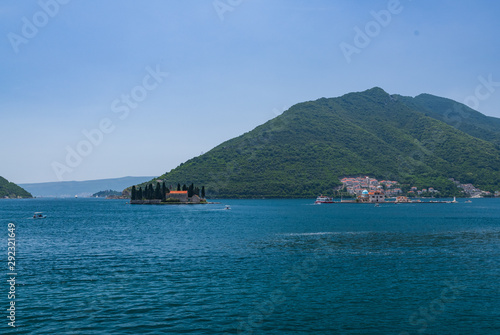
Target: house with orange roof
376	196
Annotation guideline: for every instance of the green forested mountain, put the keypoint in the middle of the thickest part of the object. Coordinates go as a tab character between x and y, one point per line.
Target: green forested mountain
11	190
305	151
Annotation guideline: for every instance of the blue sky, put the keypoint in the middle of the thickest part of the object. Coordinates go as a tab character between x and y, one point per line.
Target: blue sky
168	80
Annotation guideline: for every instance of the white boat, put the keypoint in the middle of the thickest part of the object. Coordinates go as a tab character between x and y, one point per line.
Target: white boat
468	201
39	215
323	200
227	207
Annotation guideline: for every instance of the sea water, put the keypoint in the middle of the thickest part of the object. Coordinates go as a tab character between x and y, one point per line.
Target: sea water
98	266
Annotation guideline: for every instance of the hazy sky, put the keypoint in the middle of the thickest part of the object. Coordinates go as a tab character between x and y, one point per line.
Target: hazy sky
101	89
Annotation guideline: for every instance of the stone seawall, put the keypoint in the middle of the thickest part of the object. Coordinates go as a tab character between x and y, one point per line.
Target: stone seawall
145	202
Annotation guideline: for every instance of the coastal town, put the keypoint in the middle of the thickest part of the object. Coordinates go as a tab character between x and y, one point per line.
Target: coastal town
370	190
473	192
355	186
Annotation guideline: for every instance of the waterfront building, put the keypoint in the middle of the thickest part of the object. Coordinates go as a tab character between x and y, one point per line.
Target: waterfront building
182	196
376	196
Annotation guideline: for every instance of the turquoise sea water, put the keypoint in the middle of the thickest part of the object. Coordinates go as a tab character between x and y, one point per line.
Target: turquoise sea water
264	267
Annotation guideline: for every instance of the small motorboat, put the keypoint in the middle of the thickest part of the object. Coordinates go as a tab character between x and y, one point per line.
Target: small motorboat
227	207
39	215
468	201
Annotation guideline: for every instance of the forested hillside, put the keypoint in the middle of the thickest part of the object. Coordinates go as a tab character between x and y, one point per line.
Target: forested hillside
305	151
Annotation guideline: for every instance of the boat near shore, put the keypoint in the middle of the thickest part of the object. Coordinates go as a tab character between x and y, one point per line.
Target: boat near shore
323	200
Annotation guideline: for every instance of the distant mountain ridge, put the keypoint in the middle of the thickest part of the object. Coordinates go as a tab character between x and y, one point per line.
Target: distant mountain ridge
11	190
457	115
81	188
422	141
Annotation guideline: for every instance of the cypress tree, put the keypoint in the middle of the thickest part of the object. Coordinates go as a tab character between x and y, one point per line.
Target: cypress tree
197	191
139	194
178	187
164	192
148	192
190	191
134	193
184	187
203	192
158	191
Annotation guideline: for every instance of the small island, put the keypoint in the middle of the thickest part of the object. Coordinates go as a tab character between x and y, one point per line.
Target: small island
163	195
108	194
